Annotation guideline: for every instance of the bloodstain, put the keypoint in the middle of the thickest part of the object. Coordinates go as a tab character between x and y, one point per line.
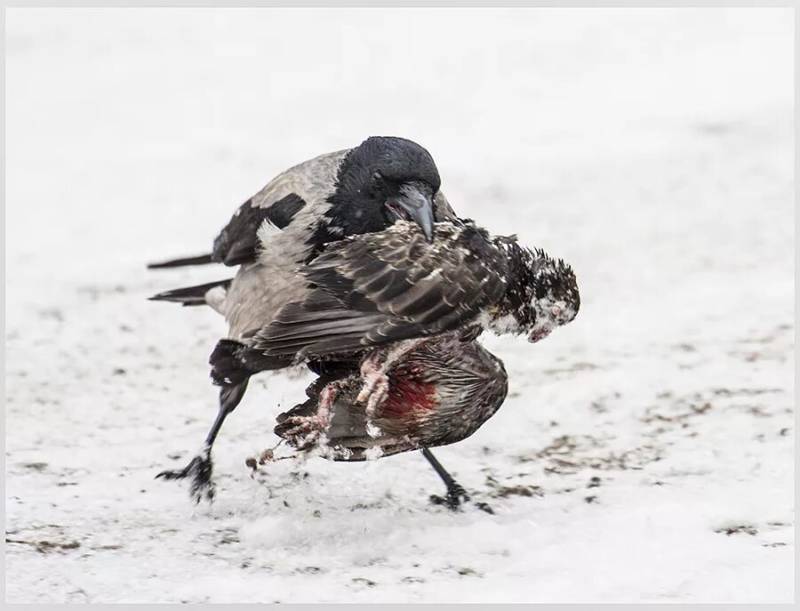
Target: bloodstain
408	394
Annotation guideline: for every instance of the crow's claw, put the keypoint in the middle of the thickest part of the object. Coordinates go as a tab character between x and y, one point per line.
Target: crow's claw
199	470
484	507
455	496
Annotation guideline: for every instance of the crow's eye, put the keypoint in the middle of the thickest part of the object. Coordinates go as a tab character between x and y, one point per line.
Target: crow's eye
377	185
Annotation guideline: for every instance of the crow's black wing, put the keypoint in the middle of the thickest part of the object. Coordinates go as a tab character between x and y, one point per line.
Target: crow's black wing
237	242
392	285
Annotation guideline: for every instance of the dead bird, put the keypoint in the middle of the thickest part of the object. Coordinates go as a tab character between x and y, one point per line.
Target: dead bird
438	393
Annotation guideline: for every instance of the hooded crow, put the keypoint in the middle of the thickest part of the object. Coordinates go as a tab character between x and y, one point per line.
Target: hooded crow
438	393
284	226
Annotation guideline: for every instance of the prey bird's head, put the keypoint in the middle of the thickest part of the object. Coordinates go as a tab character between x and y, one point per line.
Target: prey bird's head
382	180
542	294
555	300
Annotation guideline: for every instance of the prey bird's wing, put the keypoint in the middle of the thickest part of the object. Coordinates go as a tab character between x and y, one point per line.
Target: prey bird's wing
383	287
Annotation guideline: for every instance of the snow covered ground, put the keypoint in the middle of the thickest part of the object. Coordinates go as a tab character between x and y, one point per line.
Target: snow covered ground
645	452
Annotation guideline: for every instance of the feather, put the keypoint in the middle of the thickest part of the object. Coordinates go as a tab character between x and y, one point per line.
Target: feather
388	286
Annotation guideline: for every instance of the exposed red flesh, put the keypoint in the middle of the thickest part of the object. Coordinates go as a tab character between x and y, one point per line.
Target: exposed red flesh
408	394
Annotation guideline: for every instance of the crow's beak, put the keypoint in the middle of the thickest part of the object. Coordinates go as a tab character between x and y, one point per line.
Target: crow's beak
415	204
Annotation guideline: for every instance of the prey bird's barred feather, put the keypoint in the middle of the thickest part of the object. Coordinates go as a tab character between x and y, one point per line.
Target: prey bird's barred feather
375	289
439	393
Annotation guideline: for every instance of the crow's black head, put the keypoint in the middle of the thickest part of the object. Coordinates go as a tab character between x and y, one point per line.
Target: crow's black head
542	293
381	180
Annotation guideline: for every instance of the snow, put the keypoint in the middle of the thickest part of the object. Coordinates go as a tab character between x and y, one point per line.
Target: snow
645	451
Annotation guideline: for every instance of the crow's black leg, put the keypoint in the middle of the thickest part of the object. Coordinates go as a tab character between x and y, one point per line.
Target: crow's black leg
455	492
201	466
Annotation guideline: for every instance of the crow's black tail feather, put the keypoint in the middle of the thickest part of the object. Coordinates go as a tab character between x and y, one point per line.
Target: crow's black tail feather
191	295
198	260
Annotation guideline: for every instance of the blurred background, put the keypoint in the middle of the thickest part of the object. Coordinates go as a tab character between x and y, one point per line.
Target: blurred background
650	148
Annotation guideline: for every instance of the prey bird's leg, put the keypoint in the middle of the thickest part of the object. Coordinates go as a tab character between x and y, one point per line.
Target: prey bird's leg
305	431
201	467
455	492
374	369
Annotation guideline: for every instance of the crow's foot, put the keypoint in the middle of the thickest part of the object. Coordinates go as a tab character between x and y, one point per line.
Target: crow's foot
456	496
199	470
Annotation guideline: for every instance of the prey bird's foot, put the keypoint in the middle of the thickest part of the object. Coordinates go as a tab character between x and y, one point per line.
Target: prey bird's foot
375	370
376	383
199	470
304	431
374	392
375	388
